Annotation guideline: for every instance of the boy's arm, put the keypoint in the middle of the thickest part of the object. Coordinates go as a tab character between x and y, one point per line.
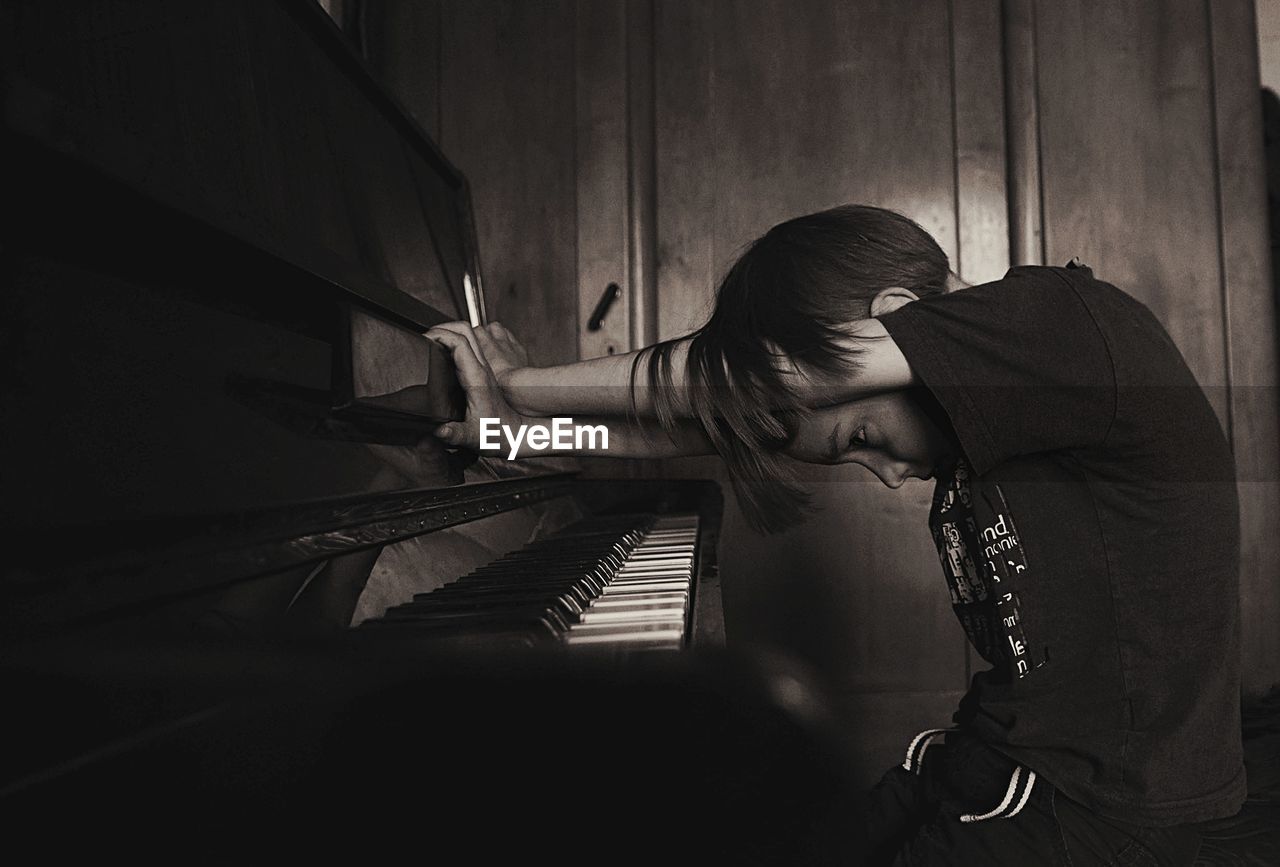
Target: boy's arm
488	412
602	386
597	385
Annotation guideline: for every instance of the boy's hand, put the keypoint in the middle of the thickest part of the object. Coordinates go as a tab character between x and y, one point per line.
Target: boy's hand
475	371
497	348
501	351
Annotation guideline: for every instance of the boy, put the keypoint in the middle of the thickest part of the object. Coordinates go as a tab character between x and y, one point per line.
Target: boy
1085	516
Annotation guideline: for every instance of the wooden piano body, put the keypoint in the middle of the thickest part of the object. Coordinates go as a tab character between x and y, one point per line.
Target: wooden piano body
222	241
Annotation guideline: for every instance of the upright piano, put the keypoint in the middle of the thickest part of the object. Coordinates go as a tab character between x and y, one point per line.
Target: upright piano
249	608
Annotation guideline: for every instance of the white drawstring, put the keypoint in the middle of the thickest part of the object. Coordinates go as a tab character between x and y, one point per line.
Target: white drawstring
920	743
924	748
1003	810
1015	797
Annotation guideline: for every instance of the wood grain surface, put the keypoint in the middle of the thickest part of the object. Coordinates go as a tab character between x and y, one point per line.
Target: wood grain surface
767	110
508	120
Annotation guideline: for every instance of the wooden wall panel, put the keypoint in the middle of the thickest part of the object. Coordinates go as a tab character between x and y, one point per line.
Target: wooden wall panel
642	171
766	110
1128	161
982	209
507	121
1251	333
819	123
602	180
1022	119
683	41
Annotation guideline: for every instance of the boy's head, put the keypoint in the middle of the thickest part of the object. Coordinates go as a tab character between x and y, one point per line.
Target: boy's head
820	271
788	300
894	435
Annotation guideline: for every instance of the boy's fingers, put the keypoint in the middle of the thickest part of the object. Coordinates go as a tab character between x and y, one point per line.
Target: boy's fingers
453	434
499	343
459	329
471	373
487	342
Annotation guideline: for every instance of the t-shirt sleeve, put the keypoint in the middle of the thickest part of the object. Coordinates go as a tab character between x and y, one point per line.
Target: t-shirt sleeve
1020	365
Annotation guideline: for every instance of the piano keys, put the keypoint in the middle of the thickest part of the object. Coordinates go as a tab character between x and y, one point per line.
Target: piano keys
624	582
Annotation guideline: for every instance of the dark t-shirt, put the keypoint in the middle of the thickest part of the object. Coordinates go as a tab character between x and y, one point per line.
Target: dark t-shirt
1089	535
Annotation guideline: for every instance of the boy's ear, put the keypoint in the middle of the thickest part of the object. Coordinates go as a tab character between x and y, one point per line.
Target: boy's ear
889	300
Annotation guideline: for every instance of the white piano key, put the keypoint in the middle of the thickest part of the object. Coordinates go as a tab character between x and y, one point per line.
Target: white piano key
673	637
617	590
632	616
639	599
627	628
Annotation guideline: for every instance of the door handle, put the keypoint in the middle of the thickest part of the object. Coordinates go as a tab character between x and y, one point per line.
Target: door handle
610	295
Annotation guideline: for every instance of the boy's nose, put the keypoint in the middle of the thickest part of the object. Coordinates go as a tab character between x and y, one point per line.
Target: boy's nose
892	474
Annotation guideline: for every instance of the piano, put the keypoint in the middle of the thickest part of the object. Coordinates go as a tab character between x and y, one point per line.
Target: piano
249	609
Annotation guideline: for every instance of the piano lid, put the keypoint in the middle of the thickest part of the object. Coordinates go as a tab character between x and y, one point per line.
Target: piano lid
258	120
223	240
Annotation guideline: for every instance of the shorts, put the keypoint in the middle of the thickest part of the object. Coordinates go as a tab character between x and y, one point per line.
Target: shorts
960	802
